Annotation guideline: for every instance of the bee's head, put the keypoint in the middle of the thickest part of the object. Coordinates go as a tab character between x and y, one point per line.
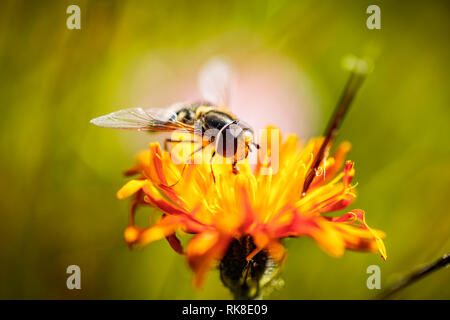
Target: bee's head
235	140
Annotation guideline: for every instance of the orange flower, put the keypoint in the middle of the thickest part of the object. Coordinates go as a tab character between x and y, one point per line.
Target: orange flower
249	205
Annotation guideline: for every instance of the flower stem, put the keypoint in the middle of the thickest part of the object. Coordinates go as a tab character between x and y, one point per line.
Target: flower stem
354	82
247	279
415	276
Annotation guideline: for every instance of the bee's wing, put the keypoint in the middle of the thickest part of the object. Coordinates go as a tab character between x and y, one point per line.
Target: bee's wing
215	82
161	120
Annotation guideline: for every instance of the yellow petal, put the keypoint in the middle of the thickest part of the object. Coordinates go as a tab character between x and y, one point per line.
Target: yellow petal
131	234
130	188
202	243
330	240
276	251
157	232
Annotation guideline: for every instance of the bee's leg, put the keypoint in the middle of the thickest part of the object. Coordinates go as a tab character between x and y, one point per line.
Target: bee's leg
211	165
181	176
186	163
235	168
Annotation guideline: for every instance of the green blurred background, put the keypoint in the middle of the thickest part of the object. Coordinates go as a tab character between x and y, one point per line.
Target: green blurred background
60	173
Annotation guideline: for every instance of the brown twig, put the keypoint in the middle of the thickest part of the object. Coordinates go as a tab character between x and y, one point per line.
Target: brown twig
354	82
415	276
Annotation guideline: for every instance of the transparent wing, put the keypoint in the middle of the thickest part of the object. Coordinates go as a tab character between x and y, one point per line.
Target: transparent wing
215	82
140	119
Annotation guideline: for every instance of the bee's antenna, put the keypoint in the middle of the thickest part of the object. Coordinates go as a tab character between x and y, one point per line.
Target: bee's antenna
256	145
359	70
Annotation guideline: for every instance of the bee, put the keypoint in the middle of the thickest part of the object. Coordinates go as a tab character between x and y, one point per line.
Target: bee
211	120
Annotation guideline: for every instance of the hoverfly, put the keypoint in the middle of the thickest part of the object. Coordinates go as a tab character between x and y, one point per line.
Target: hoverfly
230	137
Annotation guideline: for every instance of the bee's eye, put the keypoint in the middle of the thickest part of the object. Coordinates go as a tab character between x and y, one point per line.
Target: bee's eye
227	142
234	140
